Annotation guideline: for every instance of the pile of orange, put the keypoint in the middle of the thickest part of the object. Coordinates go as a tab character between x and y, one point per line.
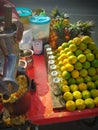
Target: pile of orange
77	63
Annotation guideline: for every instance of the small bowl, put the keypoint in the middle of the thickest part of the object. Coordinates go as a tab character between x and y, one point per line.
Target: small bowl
27	55
22	63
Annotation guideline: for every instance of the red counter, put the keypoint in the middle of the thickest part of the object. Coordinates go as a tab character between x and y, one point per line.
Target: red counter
41	110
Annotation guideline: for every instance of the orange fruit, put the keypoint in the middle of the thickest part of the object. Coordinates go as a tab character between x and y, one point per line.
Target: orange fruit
70	105
80	104
66	75
75	74
86	94
90	56
69	67
67	96
82	86
72	47
73	87
82	46
83	73
78	65
65	88
81	58
89	103
86	39
91	71
77	95
76	40
72	59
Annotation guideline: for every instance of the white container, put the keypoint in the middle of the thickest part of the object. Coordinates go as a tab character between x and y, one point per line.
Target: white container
40	27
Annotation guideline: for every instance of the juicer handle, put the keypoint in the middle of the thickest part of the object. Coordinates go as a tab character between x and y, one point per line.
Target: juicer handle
8	16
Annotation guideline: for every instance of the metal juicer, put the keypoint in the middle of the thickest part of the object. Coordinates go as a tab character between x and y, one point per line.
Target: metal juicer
10	49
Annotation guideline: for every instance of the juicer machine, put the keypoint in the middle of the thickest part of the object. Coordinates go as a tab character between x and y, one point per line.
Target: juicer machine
10	49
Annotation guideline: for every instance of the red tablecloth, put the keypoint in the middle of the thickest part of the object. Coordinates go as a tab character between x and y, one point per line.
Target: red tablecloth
41	110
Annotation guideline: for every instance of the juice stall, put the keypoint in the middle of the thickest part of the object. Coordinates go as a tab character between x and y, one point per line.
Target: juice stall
45	107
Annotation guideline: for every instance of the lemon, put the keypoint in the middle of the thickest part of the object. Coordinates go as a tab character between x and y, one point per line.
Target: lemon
78	65
90	57
69	67
96	101
86	64
66	74
73	87
91	71
81	58
75	74
91	85
82	86
89	103
80	104
94	93
72	59
86	94
77	95
83	72
65	88
72	47
67	96
76	40
70	105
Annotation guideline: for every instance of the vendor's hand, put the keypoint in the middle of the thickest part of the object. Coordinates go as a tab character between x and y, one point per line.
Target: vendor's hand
20	30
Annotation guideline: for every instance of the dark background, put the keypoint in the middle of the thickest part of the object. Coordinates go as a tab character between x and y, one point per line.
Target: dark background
76	9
